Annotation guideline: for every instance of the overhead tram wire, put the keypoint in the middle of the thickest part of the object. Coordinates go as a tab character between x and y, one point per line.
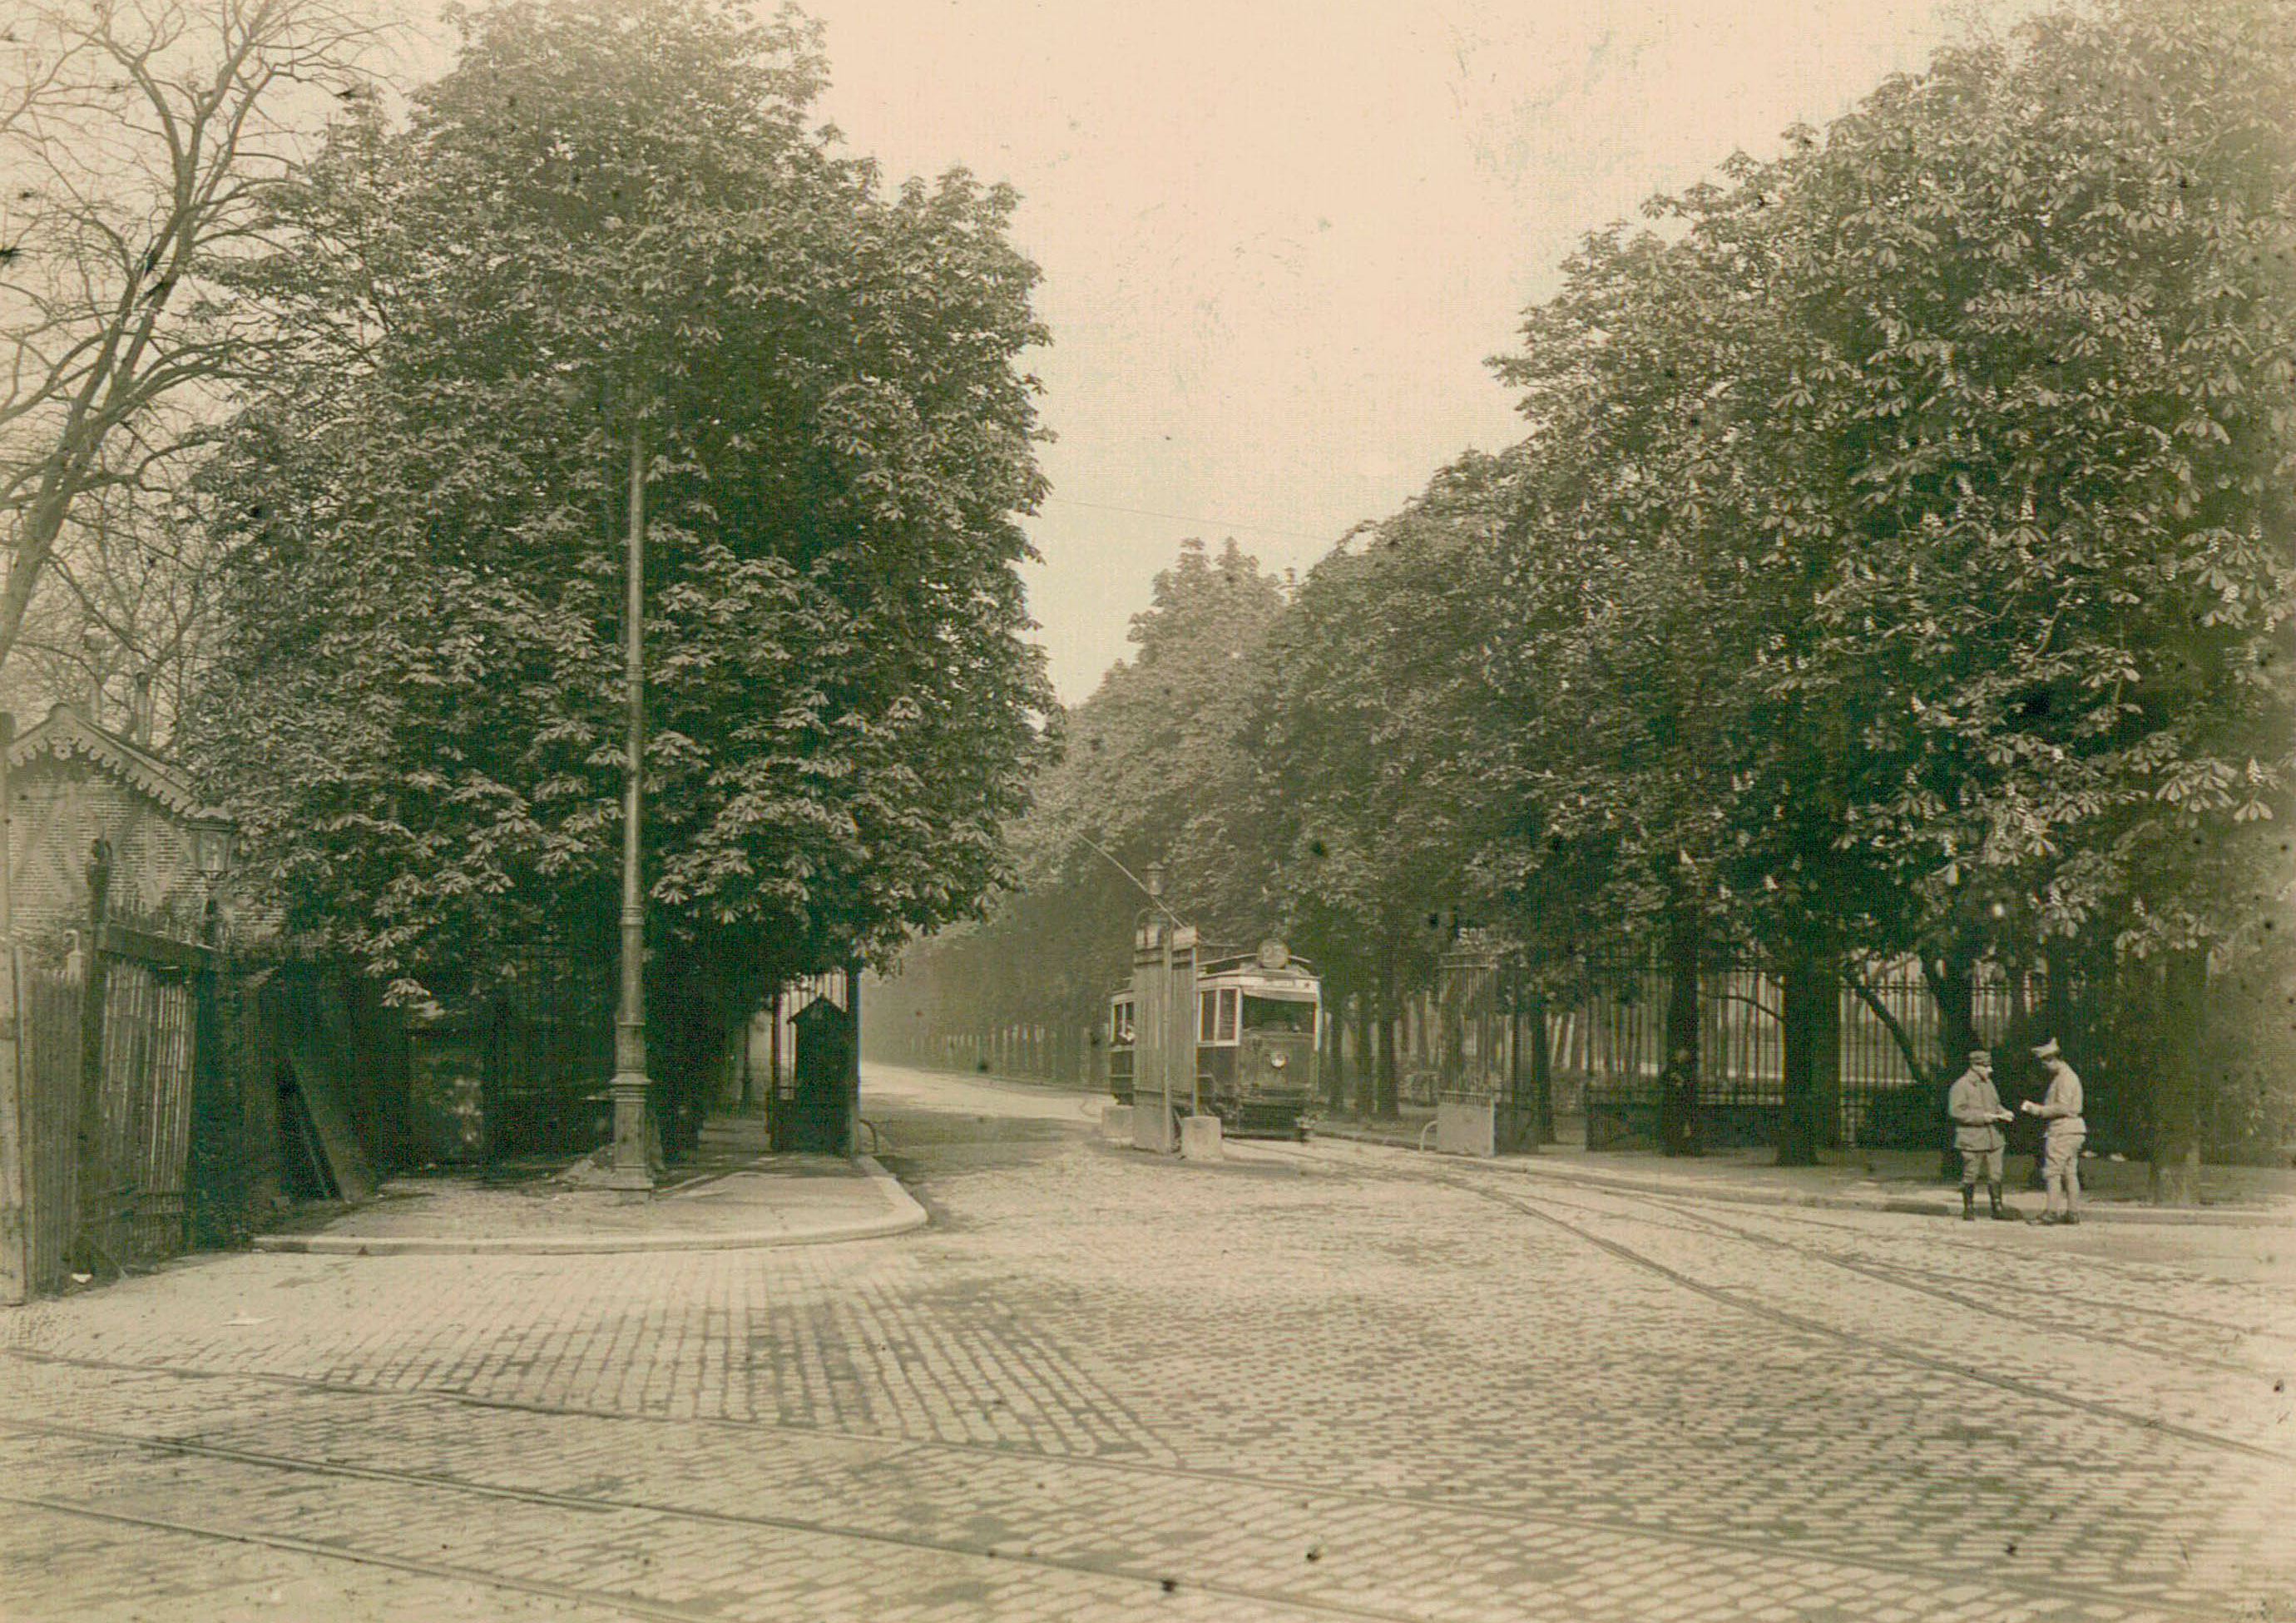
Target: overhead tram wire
1143	889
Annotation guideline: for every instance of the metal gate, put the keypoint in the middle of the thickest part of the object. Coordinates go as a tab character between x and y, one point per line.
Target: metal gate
145	1071
43	1120
95	1111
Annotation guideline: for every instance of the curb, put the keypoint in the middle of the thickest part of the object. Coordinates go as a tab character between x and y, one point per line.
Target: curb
1940	1206
902	1216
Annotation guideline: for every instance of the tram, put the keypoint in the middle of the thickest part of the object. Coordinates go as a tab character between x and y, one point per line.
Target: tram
1257	1014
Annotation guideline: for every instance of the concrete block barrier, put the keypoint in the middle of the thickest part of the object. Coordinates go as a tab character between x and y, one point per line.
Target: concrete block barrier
1465	1126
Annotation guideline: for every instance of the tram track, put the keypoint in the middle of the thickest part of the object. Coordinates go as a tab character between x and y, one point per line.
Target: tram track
1802	1218
1683	1207
1880	1346
232	1453
1007	1553
1147	1582
1687	1207
625	1605
1964	1292
1960	1290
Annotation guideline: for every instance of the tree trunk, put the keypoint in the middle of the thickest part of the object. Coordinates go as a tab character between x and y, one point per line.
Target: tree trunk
1677	1118
1366	1091
2063	1017
1804	988
1542	1071
1335	1095
2056	1017
1826	1059
1387	1091
1953	983
2177	1088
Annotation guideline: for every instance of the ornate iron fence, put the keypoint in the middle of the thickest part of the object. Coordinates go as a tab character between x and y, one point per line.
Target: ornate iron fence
1607	1048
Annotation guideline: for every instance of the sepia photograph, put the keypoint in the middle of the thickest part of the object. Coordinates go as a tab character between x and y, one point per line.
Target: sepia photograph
1046	811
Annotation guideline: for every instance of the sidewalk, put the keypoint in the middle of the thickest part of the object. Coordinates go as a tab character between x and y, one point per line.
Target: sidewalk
731	1195
1868	1180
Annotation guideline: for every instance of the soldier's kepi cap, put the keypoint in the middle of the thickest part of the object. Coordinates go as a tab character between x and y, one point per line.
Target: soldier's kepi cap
2046	1051
1981	1056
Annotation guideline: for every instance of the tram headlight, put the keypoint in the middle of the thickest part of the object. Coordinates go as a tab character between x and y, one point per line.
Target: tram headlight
1278	1060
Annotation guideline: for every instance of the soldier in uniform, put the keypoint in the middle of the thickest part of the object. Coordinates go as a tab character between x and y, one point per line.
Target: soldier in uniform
1975	1106
2060	1146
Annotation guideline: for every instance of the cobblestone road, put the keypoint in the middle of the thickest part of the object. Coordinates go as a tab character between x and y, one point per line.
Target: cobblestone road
1319	1381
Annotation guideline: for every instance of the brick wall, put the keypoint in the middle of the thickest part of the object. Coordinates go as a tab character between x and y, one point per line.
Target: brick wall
58	810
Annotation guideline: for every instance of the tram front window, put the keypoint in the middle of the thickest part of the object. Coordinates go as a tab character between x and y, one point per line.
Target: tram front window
1279	1014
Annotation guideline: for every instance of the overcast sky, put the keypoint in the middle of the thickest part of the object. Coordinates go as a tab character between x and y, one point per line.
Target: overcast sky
1281	237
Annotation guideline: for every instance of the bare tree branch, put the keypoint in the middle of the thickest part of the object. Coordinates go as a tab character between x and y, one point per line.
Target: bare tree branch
146	131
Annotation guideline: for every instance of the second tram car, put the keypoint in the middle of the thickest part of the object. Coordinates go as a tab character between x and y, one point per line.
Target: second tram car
1258	1015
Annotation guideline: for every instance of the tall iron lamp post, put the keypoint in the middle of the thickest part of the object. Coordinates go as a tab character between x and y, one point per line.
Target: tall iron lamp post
629	1162
631	1165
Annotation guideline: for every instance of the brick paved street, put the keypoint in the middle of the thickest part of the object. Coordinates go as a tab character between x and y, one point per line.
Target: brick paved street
1309	1382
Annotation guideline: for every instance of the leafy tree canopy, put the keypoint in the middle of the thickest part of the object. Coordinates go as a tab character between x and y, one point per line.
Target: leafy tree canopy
1908	554
611	224
1151	771
1371	740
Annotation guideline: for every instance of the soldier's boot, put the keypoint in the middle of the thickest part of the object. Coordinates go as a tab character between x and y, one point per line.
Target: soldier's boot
1969	1202
2001	1214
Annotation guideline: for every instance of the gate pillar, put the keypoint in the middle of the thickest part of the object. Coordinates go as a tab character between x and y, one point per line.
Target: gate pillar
1476	1084
1164	1031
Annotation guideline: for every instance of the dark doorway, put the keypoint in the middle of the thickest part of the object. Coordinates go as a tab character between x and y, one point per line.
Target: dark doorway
303	1169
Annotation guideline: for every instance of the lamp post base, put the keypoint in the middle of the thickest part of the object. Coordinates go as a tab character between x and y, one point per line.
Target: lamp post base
631	1166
